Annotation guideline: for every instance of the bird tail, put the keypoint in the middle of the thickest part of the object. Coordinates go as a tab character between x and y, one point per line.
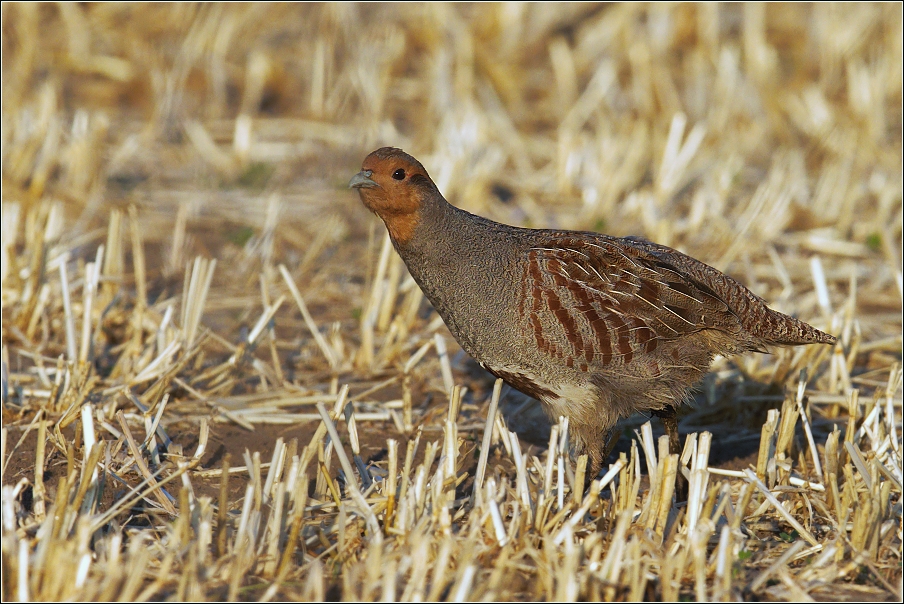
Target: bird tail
788	331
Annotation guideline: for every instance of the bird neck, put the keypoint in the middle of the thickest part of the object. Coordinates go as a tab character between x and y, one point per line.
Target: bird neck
417	232
440	243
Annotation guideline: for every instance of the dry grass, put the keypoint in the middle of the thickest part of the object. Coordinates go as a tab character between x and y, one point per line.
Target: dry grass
180	257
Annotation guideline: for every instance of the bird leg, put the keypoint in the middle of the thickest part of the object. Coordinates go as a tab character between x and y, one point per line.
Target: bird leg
668	415
598	456
611	441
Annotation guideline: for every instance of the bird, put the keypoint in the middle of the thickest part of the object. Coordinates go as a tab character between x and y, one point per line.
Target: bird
596	327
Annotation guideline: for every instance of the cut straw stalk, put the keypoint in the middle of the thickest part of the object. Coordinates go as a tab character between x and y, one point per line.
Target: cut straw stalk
198	278
569	527
264	320
22	578
767	445
699	479
646	441
39	490
69	320
495	514
444	364
814	453
138	260
325	348
92	270
859	463
89	438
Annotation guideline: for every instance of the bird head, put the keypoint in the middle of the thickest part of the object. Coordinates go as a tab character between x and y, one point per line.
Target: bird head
394	186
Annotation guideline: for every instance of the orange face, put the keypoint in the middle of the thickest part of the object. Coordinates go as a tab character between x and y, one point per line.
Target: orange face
393	185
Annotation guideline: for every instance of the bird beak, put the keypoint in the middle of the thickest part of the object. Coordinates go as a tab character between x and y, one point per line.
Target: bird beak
362	180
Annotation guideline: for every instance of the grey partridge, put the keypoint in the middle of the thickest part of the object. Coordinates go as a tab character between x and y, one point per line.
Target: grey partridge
595	327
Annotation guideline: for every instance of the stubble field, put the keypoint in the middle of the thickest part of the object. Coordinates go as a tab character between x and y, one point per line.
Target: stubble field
219	381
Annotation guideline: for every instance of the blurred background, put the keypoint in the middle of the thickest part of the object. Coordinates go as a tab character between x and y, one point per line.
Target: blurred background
661	119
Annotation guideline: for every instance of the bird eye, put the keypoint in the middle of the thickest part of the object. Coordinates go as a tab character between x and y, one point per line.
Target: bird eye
399	174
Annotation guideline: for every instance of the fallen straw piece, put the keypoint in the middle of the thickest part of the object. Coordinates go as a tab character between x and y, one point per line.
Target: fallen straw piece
795	481
611	474
782	561
340	450
324	346
751	477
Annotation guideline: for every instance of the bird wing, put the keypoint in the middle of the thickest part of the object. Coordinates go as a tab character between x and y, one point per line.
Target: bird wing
601	300
764	325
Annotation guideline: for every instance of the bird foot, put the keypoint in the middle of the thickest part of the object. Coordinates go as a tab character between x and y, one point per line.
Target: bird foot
669	418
